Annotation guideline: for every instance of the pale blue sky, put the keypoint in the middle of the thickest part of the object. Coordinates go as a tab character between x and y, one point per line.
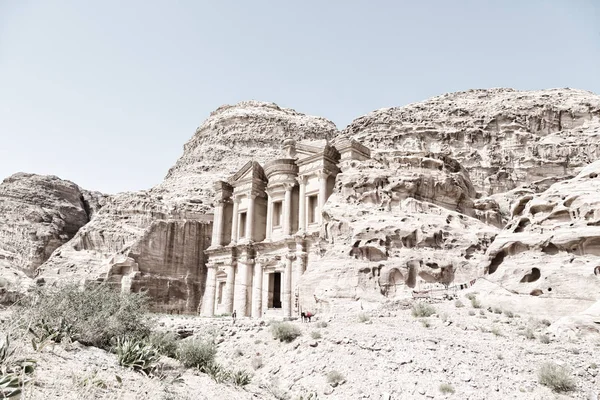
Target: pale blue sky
105	93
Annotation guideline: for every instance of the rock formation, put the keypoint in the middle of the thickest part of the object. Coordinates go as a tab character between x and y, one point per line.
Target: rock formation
154	239
550	249
503	137
397	223
446	176
39	214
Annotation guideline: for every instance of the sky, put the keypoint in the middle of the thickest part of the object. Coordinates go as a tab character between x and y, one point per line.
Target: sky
106	93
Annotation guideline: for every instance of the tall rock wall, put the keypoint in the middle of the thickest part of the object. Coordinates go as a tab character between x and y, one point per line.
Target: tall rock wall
503	137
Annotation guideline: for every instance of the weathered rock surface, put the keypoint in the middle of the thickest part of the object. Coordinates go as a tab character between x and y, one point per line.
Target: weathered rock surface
397	223
39	214
503	137
551	248
152	238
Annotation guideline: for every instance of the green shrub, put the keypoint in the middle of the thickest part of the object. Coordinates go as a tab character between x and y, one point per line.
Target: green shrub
497	310
363	317
556	377
422	310
471	296
322	324
475	303
529	334
545	339
471	313
165	343
509	314
496	331
216	372
446	388
136	354
546	322
285	331
197	353
335	378
458	304
425	322
95	316
315	335
240	378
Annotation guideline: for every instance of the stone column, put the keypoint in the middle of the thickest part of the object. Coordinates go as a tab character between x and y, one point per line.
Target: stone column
250	218
209	295
218	221
229	288
257	291
299	268
302	204
287	210
241	289
234	223
322	194
269	217
287	286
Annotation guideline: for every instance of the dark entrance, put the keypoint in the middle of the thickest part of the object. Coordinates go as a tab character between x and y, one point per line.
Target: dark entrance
275	290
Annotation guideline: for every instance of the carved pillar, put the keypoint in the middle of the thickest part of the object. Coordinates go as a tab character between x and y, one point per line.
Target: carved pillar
241	287
257	284
302	204
229	288
287	210
299	268
322	193
218	221
287	286
209	294
250	218
234	224
269	217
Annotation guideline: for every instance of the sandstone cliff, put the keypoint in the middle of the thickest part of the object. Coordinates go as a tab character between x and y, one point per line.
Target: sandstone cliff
503	137
397	223
38	215
549	252
154	239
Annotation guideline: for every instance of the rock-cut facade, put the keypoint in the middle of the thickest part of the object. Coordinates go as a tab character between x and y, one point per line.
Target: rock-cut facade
267	222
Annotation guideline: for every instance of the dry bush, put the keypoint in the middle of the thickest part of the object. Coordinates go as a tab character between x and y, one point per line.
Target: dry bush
197	353
165	343
335	378
422	310
363	317
95	315
556	377
446	388
285	331
545	339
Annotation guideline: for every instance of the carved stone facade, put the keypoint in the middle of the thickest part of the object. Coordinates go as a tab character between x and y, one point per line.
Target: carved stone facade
266	224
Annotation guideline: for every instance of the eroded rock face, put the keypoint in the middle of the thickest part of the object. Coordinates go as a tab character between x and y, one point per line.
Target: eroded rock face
503	137
398	223
550	249
152	239
39	214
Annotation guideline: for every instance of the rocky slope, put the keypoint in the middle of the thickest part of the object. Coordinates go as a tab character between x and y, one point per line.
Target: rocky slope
39	214
550	250
140	237
397	223
503	137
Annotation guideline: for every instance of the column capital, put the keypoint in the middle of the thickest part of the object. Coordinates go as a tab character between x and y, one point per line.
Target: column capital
236	199
290	256
323	174
288	186
302	179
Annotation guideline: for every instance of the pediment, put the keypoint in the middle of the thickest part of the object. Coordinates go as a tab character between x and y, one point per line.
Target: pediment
250	171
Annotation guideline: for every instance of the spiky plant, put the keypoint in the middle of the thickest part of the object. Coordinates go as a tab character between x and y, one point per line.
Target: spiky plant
136	354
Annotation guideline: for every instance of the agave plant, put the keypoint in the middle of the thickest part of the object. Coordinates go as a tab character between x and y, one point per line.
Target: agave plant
13	372
136	354
10	386
240	378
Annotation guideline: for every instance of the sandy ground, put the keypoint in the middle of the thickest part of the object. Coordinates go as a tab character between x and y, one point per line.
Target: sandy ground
393	355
